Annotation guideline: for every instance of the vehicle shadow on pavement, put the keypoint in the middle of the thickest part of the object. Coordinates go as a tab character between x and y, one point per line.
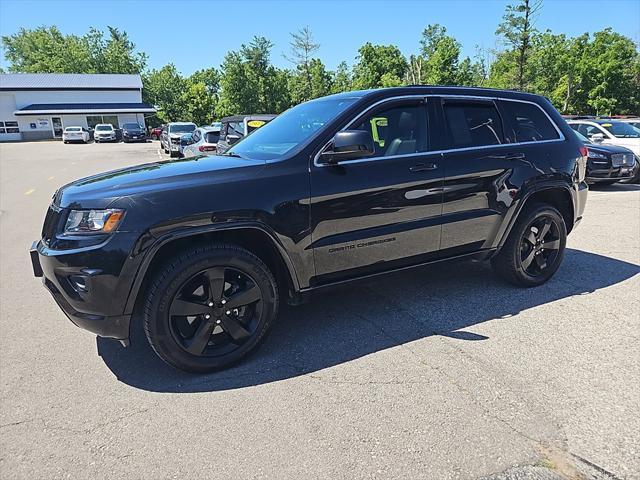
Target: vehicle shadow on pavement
348	323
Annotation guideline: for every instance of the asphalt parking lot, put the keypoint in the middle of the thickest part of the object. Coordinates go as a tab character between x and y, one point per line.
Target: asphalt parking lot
435	373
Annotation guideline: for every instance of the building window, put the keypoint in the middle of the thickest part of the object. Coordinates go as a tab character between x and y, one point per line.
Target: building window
93	120
9	127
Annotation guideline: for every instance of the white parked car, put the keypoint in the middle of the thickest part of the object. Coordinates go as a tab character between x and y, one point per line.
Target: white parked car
104	132
171	134
609	132
75	134
203	141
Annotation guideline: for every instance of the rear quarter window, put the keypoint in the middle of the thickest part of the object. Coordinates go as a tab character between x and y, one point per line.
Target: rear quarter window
526	122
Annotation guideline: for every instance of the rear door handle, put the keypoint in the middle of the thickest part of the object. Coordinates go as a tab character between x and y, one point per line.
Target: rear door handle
421	167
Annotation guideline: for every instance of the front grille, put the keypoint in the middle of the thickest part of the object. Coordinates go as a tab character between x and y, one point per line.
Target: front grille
617	159
51	223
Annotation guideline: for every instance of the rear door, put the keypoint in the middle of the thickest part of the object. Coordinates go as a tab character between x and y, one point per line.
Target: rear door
383	211
478	170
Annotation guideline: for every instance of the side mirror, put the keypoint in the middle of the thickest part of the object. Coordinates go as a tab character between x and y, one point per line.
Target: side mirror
597	137
349	145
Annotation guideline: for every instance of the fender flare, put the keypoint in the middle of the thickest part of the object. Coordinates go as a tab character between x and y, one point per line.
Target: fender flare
167	237
556	185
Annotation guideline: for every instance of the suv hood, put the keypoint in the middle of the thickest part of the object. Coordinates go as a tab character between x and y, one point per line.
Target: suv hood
632	144
102	190
606	149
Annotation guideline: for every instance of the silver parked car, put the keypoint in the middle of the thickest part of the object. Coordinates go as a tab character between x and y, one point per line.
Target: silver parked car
204	140
171	133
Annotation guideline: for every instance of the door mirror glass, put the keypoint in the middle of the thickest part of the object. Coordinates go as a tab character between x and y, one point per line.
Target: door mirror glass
349	145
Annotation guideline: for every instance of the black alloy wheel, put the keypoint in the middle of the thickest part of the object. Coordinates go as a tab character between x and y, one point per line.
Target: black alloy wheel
215	311
540	245
209	306
535	247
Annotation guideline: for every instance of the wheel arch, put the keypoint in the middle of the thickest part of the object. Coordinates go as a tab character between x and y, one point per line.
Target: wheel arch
255	238
557	195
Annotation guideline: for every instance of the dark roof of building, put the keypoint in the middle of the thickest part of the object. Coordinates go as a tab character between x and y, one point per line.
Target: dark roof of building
61	108
69	81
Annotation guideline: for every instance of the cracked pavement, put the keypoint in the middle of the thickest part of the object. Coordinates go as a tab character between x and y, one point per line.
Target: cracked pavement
436	373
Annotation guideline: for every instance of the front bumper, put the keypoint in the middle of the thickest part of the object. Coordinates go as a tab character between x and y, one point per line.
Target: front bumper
89	297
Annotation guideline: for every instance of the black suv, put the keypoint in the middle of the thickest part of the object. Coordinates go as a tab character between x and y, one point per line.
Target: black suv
333	190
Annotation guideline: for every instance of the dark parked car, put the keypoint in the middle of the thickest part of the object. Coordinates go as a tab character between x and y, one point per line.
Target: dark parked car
234	128
607	164
208	247
133	132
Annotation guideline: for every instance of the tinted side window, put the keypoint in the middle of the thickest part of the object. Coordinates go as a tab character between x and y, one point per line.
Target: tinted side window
196	136
397	130
473	124
525	122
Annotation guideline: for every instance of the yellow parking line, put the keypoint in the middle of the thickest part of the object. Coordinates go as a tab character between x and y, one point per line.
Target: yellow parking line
30	191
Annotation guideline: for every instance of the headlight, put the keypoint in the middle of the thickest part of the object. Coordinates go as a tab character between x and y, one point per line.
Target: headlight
93	221
596	155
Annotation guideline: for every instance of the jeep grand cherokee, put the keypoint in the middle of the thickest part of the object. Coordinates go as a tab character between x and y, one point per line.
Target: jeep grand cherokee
208	247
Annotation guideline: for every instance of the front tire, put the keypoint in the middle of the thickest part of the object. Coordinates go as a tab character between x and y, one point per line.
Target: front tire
210	307
535	247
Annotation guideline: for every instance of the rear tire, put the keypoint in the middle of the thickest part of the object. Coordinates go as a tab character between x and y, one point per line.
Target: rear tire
535	247
206	278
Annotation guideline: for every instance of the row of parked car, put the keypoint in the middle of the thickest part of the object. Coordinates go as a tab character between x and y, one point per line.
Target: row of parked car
105	132
613	146
180	139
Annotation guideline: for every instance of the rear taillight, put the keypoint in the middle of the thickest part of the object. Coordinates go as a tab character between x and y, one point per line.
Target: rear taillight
582	163
584	151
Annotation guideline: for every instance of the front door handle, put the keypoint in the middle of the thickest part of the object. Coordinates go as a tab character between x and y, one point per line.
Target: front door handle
421	167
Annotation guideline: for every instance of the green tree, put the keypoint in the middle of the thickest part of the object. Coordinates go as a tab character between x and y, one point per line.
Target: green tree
379	66
250	84
516	30
341	79
164	88
303	48
441	54
199	104
47	50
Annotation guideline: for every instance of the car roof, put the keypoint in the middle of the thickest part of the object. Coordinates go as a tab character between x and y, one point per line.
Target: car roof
436	90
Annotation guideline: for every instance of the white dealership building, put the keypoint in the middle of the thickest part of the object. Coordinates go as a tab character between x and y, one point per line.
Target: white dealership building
36	106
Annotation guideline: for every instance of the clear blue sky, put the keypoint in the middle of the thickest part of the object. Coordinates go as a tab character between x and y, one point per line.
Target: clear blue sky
190	34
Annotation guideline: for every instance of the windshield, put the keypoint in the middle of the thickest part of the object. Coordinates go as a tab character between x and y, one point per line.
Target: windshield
581	137
290	129
621	129
104	127
132	126
182	128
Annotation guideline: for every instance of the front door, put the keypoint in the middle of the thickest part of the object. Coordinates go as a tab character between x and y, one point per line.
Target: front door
56	123
383	211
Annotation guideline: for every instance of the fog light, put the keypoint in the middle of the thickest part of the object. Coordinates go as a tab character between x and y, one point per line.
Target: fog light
78	283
